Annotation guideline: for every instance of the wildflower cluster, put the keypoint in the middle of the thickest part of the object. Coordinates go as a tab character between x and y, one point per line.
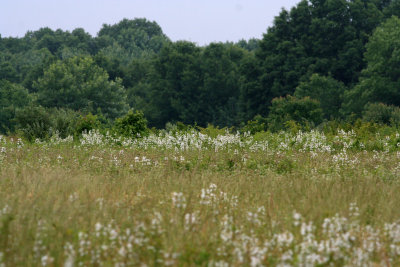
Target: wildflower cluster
176	199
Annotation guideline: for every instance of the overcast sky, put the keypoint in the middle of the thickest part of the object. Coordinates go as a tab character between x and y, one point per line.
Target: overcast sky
200	21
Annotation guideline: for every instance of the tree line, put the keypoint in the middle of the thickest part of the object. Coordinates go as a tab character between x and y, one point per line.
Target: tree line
321	60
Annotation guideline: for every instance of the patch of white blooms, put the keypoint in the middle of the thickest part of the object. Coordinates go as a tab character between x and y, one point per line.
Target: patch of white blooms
312	142
93	137
178	200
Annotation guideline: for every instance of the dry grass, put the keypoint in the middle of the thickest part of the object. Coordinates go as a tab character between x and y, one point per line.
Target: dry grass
107	205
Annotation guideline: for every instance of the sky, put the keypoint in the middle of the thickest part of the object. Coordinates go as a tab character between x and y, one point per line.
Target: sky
199	21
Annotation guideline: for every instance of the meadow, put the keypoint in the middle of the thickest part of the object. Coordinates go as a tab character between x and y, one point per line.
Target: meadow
197	198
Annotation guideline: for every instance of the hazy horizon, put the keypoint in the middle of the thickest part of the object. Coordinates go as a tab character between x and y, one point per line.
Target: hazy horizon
200	22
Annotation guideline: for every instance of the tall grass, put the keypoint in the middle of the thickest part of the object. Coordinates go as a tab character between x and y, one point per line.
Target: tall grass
189	199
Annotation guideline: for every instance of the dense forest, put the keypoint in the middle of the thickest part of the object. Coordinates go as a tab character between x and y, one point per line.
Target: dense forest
323	60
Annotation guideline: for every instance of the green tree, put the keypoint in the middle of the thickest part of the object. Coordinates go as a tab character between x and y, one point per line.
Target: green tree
47	38
112	65
81	40
87	123
33	122
252	100
381	113
250	45
392	9
12	97
132	125
136	80
79	84
220	86
138	37
192	85
7	71
324	37
326	90
15	45
7	68
380	81
25	63
115	52
34	63
59	42
174	85
305	111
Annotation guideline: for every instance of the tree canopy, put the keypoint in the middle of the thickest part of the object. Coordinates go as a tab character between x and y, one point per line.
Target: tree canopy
380	81
337	55
79	84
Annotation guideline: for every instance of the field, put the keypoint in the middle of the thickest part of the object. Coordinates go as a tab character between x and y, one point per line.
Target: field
184	199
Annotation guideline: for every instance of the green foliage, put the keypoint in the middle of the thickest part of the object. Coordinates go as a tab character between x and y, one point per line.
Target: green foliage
323	37
79	84
380	80
132	38
251	101
257	124
33	64
175	85
33	122
220	89
285	165
214	131
58	42
382	114
64	121
193	85
7	71
178	127
326	90
294	126
331	127
132	125
305	111
37	122
317	49
12	96
112	65
393	9
250	45
87	123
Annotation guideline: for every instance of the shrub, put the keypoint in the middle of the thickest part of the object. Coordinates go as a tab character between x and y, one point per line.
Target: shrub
382	114
214	131
395	119
333	126
257	124
328	91
133	124
305	111
178	127
87	123
64	121
33	122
